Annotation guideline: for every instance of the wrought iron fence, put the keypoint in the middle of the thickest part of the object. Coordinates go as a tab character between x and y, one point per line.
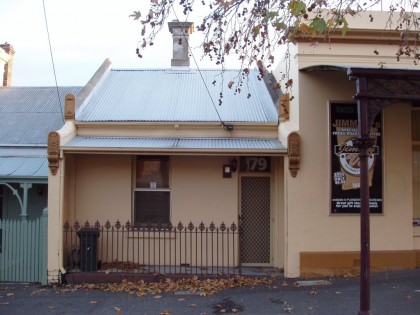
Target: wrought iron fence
162	249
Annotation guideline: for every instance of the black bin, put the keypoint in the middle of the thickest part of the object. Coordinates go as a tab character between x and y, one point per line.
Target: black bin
88	249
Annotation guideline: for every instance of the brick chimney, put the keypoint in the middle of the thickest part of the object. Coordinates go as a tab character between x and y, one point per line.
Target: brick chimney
180	34
8	66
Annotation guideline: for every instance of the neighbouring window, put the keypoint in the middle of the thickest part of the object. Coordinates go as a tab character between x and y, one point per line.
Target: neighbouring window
415	136
152	195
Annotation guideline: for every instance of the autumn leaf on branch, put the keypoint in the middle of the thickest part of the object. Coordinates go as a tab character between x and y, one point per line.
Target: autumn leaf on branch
255	29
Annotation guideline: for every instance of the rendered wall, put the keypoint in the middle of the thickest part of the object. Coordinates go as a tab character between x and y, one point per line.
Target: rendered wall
310	228
103	189
308	199
99	187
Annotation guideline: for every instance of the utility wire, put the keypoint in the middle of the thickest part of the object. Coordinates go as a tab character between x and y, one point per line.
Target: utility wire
52	60
198	68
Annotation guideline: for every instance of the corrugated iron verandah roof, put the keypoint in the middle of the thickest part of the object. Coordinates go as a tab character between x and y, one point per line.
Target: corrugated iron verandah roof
176	145
23	163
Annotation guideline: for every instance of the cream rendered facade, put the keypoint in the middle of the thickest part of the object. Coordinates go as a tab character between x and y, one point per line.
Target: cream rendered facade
317	241
97	184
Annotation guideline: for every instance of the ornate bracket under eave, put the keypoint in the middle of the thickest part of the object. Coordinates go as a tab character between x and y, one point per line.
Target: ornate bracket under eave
378	88
293	153
53	150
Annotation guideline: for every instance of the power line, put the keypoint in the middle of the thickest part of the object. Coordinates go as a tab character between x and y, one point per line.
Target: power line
198	68
52	60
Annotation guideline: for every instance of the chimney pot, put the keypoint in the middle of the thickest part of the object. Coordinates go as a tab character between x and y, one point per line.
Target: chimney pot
8	66
180	48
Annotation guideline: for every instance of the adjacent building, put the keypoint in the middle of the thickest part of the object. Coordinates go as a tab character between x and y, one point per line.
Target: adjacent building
27	115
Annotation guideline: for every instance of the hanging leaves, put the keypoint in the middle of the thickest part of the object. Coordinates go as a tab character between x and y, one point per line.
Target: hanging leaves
255	29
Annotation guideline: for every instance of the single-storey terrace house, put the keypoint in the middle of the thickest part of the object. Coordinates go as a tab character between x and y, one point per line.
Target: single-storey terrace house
155	150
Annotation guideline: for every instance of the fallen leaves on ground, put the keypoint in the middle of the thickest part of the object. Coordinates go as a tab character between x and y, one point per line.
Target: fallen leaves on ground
194	285
313	292
36	292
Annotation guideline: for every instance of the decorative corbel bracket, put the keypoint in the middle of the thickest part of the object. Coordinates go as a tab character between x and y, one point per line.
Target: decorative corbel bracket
53	151
69	107
293	153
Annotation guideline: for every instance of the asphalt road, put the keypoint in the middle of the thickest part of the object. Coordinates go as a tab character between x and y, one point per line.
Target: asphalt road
392	293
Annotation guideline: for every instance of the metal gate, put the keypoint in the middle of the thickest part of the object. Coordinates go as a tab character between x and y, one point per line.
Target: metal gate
255	220
23	250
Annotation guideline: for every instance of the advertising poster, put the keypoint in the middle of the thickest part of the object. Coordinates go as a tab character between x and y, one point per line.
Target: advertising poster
345	166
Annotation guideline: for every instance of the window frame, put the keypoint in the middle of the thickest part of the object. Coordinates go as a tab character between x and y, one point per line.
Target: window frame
136	221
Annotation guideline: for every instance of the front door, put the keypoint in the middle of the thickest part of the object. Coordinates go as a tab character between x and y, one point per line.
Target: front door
255	218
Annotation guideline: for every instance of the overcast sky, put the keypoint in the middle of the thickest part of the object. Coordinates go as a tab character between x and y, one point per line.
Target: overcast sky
83	34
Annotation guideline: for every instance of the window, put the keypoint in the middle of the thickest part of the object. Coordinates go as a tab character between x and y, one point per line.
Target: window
415	136
152	194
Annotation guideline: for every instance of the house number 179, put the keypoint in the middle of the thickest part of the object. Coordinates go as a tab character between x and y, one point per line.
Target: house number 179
255	164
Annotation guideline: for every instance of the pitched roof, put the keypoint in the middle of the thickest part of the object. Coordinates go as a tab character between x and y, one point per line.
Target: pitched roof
171	95
28	114
23	163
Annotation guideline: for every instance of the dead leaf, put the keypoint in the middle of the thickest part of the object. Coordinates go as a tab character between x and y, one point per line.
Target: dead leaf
157	297
4	303
117	309
165	312
202	287
93	302
10	294
192	305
